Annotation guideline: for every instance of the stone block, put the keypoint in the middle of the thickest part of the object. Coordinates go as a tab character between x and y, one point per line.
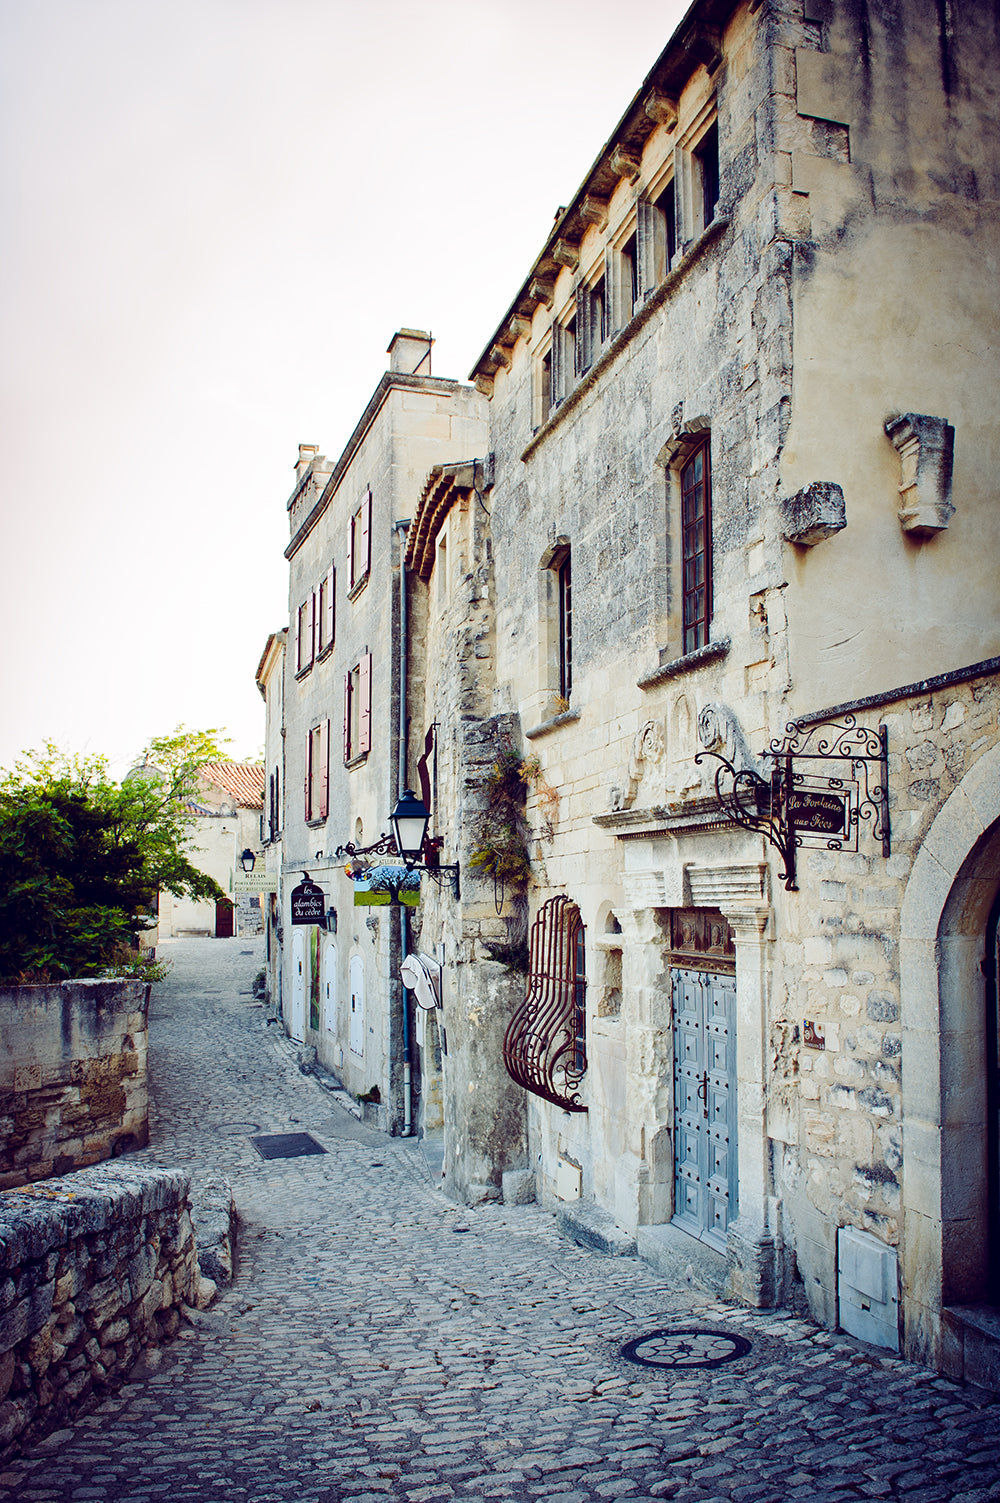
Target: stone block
813	514
518	1187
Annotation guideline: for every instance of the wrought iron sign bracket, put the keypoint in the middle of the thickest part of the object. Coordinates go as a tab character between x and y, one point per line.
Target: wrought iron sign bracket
798	806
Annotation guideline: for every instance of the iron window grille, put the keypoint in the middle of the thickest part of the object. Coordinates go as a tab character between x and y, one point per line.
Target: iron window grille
544	1048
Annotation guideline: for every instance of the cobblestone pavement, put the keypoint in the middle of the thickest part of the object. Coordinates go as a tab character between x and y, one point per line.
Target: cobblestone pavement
381	1343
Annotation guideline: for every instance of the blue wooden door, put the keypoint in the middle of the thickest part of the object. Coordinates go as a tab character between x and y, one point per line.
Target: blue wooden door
704	1011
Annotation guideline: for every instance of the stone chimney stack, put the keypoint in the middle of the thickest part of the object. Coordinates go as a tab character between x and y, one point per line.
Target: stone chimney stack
410	352
307	453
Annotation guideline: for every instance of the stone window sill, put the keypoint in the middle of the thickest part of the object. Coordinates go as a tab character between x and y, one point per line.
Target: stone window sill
545	726
685	664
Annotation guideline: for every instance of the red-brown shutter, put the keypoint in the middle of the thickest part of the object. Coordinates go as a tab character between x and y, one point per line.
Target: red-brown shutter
352	577
366	534
323	786
365	708
347	717
308	788
329	615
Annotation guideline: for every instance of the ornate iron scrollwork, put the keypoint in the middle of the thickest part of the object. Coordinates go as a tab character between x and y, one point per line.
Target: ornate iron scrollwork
790	806
543	1048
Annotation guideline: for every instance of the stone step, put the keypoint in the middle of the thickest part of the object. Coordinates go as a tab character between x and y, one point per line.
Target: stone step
970	1345
682	1258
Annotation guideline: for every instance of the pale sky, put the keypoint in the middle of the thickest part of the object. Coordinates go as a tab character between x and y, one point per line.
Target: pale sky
215	215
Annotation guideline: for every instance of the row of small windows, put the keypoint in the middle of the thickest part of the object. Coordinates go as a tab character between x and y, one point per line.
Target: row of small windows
631	272
357	738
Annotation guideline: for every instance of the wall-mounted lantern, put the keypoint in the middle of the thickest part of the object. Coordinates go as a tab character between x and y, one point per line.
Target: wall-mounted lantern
409	820
248	860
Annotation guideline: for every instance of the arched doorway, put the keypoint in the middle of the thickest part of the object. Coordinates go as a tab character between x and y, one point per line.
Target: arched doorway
951	1134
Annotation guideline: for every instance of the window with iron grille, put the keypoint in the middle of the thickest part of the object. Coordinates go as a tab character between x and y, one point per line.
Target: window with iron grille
545	1047
696	551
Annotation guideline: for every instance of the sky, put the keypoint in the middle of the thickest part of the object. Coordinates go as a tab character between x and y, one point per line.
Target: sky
216	213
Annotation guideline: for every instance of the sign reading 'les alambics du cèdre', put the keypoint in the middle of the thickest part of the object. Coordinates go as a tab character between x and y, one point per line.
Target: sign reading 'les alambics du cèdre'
308	903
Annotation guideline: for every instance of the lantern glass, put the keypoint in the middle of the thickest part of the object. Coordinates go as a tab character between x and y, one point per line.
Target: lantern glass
409	822
248	860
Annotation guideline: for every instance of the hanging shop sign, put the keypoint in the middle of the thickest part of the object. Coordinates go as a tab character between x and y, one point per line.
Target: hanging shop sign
381	885
803	805
308	902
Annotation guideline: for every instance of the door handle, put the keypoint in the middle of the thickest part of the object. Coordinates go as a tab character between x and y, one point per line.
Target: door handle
703	1091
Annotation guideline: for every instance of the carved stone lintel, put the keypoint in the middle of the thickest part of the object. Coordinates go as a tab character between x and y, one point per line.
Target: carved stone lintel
594	211
566	254
661	109
541	292
926	447
813	513
624	164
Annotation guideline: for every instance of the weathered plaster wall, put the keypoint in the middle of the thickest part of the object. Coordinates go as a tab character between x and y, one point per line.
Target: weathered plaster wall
73	1087
94	1267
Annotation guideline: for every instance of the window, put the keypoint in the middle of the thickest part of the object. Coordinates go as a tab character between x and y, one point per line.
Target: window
591	324
564	590
273	805
696	547
305	634
656	237
706	159
629	277
545	1046
358	710
563	359
545	386
325	614
360	544
318	771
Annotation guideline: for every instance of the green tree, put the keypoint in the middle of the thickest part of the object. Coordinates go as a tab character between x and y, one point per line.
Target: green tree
82	857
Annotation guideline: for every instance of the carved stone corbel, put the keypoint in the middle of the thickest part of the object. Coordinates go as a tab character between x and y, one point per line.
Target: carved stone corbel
541	292
926	448
594	211
624	164
661	109
566	254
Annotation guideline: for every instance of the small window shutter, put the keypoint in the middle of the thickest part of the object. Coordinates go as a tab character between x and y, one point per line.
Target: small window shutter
323	782
277	801
351	554
308	790
311	642
330	611
347	717
365	557
365	707
612	292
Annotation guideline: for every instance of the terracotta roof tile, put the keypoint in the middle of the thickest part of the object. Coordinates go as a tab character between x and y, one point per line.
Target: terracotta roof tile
242	781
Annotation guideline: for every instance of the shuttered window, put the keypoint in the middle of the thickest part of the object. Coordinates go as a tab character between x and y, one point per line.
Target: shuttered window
696	548
305	634
317	780
358	710
325	613
360	543
544	1047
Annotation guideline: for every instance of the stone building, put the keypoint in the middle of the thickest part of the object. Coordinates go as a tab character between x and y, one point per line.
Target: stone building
341	770
225	822
270	678
741	478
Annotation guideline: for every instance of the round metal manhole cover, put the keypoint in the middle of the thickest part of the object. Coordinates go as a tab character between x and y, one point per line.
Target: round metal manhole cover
685	1348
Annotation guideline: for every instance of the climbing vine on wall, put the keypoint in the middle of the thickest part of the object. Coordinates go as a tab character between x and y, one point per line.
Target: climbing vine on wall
504	851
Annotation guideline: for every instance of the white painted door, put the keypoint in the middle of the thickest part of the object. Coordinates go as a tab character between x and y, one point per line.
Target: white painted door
357	1005
329	986
300	981
704	1006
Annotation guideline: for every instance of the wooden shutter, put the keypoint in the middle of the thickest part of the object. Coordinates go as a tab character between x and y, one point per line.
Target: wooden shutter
311	615
347	717
308	787
329	613
365	705
323	770
366	535
351	552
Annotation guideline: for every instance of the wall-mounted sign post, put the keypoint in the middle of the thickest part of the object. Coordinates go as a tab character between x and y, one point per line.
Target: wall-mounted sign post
799	808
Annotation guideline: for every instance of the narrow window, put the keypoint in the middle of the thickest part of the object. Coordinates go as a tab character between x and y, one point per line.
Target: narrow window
564	587
318	771
305	634
358	709
706	155
696	549
360	543
545	385
630	276
325	612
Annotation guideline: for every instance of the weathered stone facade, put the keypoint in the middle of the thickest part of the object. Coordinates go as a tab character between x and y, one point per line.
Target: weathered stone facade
94	1267
73	1085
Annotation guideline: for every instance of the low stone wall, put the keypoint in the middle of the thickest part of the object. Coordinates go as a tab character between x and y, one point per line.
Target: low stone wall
94	1267
73	1085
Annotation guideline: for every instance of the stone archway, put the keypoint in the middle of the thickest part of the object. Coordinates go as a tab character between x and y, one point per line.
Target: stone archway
943	920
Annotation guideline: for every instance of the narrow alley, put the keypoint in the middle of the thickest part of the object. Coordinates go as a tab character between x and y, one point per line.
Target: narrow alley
381	1343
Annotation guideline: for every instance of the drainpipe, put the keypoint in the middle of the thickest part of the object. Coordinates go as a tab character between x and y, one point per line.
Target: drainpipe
401	528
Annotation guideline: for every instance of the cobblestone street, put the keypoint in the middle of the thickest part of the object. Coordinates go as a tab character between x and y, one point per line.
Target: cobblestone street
381	1343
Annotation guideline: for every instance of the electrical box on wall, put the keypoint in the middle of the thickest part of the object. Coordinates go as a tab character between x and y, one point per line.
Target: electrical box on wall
868	1288
569	1180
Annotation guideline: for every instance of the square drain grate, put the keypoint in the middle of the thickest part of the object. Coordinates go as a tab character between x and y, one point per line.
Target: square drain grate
286	1145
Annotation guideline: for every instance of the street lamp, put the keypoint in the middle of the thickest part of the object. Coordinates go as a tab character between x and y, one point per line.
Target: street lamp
409	821
248	860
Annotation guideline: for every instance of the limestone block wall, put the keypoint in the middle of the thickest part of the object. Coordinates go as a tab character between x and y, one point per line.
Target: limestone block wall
73	1087
94	1267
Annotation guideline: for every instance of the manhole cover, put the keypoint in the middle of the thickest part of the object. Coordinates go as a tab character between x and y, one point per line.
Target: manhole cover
286	1145
685	1348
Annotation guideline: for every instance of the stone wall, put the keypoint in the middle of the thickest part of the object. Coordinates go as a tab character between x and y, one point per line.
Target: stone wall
73	1087
94	1267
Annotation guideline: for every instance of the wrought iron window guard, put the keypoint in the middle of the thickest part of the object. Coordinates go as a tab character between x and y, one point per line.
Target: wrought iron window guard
791	807
544	1046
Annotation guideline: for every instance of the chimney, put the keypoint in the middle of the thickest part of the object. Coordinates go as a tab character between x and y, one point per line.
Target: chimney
307	453
410	352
